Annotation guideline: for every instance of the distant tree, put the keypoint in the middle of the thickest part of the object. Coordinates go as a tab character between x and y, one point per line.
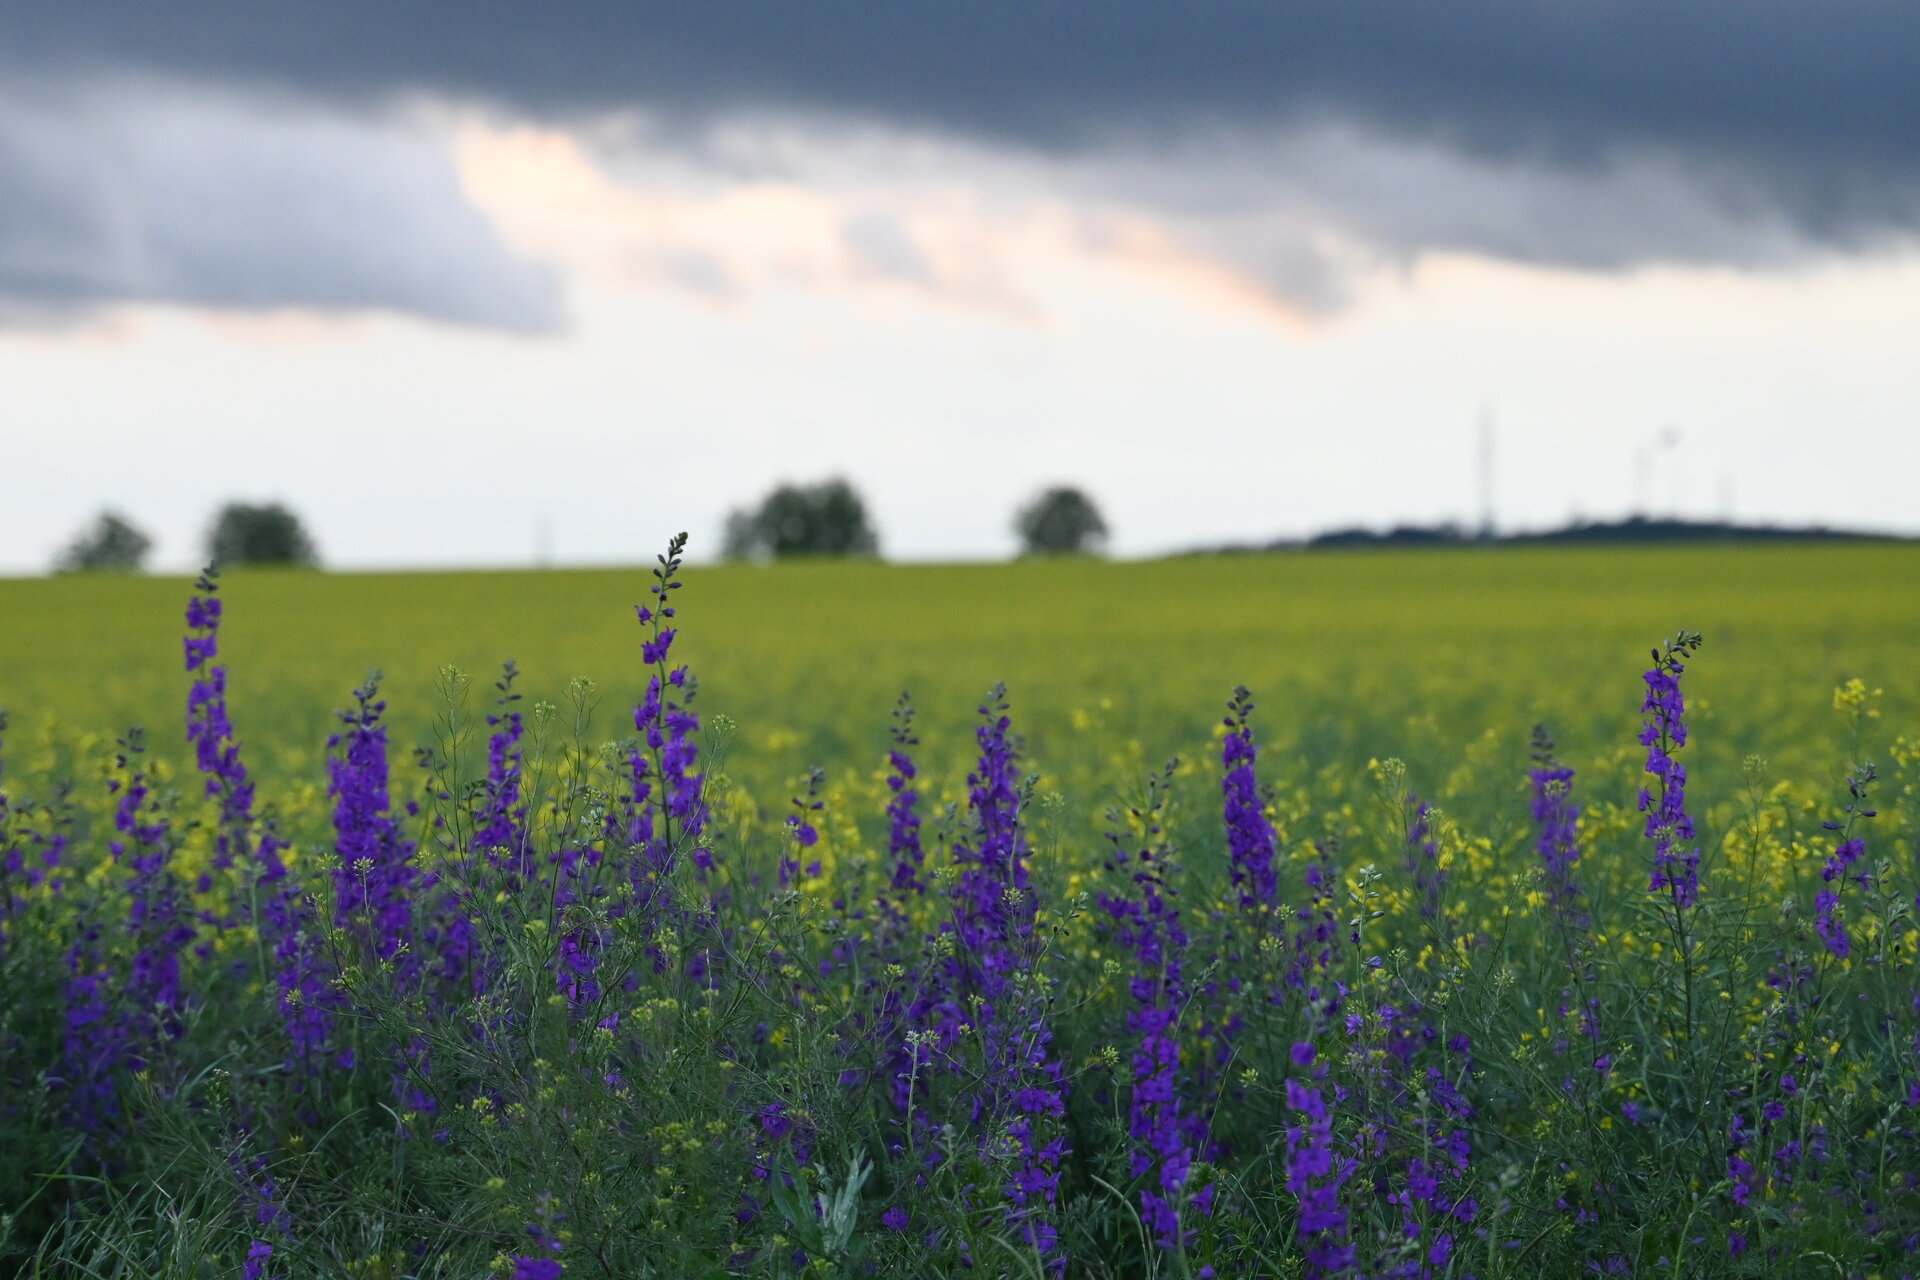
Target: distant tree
109	543
270	534
824	519
1060	521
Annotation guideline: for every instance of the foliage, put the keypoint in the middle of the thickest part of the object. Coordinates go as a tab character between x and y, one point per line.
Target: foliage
827	518
1060	521
990	989
266	534
108	544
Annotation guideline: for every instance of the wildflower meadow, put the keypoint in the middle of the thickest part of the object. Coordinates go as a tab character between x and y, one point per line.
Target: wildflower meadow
1448	914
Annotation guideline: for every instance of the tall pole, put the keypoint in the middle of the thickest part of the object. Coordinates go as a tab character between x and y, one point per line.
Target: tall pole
1487	446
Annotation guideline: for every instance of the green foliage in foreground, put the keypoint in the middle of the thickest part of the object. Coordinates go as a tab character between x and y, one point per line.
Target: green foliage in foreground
735	1118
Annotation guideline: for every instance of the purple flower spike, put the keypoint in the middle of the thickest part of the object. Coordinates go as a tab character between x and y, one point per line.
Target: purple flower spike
374	876
903	821
216	752
1146	923
1315	1175
666	809
1250	841
1423	863
1557	817
1676	862
500	825
982	985
1839	868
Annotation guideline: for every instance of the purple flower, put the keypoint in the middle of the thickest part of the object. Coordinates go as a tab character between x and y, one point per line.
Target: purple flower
903	822
286	918
805	810
984	983
95	1040
665	809
156	915
1423	864
1147	924
1315	1175
896	1219
258	1254
374	876
499	827
1740	1171
1558	846
544	1262
1250	842
1676	863
1838	870
216	753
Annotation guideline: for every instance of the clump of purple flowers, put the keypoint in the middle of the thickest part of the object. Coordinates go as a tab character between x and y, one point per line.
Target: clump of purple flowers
103	1037
985	984
1147	924
156	917
286	919
1317	1170
1676	861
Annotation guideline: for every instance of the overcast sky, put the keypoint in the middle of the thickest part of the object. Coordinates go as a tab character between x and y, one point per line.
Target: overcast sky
482	284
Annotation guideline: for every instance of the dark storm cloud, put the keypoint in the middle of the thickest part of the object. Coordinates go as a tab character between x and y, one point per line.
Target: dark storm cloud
1563	80
1811	73
1587	133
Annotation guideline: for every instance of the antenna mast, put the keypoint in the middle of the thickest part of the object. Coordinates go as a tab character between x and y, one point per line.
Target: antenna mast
1487	446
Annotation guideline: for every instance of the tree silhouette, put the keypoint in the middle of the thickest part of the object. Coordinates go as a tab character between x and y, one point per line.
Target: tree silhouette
109	543
1060	521
823	519
269	534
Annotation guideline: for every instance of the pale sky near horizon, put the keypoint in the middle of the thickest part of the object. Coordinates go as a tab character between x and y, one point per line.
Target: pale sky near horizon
510	296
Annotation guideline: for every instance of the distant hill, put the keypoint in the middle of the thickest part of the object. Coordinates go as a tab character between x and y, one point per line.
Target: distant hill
1634	529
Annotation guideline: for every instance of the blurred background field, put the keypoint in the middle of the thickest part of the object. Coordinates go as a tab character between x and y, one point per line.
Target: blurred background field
1352	656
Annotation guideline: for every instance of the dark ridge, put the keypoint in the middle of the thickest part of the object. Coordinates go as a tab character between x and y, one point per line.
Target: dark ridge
1634	530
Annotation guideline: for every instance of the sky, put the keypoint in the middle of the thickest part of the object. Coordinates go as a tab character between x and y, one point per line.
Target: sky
507	284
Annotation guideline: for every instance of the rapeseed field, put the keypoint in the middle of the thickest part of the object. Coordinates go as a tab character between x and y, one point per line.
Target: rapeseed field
1461	912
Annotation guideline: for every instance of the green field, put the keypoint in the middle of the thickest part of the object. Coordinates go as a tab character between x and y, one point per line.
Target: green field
1412	654
1067	1028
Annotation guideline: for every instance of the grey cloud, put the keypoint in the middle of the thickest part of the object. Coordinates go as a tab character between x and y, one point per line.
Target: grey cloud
116	196
1493	73
1301	213
1604	134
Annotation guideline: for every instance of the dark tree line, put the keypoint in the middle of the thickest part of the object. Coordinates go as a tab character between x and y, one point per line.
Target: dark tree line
825	518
